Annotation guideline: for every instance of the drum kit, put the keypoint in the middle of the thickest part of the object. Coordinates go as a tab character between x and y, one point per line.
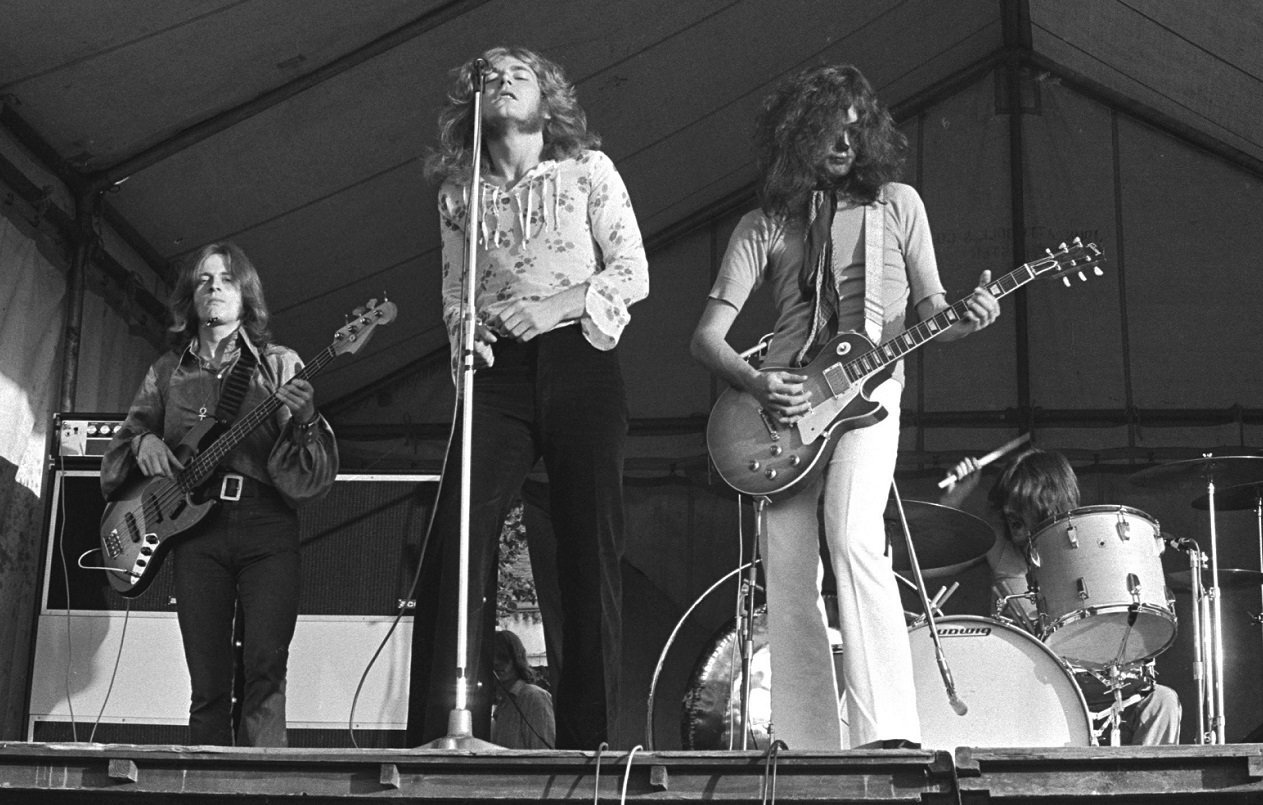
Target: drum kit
1103	604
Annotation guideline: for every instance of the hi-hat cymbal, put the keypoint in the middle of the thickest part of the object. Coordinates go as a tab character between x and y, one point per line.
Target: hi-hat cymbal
947	540
1197	472
1230	578
1233	498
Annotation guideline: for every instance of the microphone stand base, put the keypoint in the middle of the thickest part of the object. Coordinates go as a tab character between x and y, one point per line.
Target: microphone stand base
460	736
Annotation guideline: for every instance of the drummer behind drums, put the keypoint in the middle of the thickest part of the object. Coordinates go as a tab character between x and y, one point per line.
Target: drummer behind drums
1034	486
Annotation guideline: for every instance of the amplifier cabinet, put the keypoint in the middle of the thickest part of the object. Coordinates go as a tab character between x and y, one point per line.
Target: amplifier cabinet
360	545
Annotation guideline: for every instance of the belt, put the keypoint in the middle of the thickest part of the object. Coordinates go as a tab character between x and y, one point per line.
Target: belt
231	487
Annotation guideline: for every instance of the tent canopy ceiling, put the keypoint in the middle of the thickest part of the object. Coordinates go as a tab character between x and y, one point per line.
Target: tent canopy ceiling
298	129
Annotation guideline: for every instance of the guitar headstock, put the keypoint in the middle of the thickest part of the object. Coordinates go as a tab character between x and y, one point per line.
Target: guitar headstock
1074	258
361	324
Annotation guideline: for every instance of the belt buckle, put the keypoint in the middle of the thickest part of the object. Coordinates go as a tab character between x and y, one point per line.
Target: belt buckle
230	487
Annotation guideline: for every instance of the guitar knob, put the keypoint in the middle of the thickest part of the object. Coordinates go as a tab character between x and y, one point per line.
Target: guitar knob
770	474
754	466
777	450
794	461
146	551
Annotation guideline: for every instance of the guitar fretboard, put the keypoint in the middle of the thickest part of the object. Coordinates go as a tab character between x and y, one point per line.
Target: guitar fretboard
875	359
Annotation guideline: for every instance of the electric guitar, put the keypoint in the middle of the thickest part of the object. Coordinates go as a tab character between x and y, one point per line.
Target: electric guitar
145	514
757	455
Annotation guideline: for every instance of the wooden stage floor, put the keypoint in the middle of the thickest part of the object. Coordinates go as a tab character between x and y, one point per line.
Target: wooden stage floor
125	773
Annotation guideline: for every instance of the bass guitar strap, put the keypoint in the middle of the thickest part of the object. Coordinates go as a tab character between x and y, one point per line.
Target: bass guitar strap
236	386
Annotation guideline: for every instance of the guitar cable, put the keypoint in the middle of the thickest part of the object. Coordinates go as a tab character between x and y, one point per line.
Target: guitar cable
68	665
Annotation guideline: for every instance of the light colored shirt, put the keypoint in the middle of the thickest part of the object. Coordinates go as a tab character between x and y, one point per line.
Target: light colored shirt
764	249
179	390
564	223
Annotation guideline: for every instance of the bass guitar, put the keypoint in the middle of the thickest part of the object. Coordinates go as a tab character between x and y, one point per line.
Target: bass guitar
757	455
144	515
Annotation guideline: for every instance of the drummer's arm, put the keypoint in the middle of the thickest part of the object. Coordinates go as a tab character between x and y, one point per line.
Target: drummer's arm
967	473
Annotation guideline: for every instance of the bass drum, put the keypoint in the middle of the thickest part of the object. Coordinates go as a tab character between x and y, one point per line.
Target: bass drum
1016	690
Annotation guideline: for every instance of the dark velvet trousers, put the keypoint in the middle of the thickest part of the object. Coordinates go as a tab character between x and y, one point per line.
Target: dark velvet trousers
557	398
244	552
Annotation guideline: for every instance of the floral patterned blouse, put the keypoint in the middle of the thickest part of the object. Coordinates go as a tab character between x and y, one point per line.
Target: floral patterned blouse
564	223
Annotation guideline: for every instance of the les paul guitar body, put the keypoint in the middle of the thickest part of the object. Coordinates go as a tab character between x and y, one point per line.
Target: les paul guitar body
760	457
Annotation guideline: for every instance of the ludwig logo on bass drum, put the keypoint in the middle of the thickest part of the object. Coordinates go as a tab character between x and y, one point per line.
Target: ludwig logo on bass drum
964	631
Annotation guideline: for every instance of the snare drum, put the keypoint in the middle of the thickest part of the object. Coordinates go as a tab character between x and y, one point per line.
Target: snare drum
1102	595
1016	690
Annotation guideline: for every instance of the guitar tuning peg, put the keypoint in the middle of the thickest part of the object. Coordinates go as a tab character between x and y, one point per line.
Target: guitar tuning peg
1098	271
372	303
1064	247
1066	280
1082	277
1078	241
1048	252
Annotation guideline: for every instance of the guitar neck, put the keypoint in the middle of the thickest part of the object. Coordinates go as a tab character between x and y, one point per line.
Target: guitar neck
205	462
877	358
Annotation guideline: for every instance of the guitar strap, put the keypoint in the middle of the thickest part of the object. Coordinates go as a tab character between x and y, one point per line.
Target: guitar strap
874	259
237	384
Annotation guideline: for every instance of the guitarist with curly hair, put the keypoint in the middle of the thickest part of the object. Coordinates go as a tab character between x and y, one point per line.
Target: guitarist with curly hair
843	247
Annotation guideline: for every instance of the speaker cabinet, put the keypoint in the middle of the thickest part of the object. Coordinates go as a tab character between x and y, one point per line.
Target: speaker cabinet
360	547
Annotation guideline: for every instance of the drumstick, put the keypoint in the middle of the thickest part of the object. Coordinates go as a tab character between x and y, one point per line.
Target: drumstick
988	458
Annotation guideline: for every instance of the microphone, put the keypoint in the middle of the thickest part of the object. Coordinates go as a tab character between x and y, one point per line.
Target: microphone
478	72
1180	543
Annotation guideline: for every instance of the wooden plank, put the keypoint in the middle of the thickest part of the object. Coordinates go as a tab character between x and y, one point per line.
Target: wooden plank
332	775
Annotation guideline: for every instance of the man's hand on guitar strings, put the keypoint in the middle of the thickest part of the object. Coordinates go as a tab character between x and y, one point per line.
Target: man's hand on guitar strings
153	457
299	397
981	307
782	393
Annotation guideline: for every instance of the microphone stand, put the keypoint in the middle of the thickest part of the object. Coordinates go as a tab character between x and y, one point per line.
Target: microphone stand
460	732
949	684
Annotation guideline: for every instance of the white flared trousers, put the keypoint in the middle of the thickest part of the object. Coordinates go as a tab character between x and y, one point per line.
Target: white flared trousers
877	660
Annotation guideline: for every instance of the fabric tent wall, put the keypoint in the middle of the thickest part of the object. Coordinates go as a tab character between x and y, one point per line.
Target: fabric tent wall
32	320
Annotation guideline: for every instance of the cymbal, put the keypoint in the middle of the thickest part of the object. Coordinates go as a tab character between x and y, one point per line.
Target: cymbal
1197	472
947	540
1230	578
1233	498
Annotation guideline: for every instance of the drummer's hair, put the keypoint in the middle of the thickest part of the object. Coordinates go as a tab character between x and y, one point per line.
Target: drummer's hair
1038	484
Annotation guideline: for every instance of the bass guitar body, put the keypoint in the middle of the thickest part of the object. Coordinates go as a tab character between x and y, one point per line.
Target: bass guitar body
758	456
145	514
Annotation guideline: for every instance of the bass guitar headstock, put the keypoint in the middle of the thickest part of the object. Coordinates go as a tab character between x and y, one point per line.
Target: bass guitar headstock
361	324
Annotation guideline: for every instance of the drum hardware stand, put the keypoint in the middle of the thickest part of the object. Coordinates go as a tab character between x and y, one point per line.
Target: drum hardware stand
936	603
460	720
1215	681
949	684
1201	631
745	630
